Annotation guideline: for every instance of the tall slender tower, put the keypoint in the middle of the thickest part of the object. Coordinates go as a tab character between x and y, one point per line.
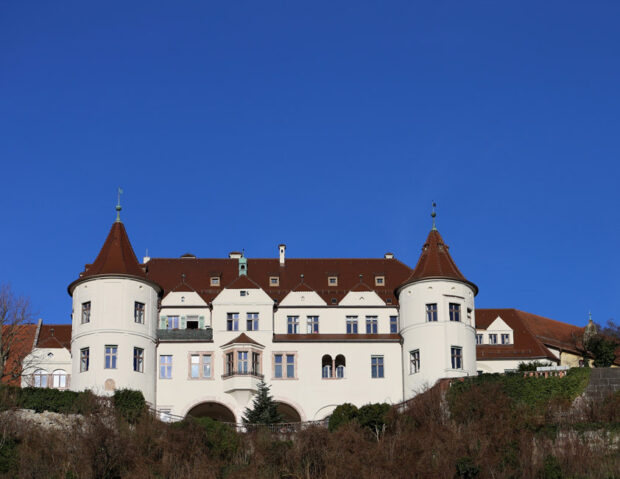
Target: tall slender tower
114	321
437	318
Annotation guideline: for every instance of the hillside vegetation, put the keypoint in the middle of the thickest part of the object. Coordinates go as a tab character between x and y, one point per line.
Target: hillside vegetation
485	427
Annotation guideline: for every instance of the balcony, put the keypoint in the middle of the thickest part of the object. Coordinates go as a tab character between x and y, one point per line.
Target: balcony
185	335
241	381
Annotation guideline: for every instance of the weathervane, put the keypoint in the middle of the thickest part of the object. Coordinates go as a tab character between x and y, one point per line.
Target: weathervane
118	205
433	215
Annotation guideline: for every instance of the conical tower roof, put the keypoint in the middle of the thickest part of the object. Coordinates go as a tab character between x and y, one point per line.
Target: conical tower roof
435	262
116	257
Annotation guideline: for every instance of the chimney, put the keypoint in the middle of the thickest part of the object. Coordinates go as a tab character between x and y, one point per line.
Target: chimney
282	249
146	258
234	255
388	255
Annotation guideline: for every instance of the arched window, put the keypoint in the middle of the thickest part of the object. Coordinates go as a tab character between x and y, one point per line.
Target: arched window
326	366
59	379
40	378
341	364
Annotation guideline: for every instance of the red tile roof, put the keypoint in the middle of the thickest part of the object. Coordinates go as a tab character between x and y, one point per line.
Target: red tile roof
242	339
21	344
242	282
166	271
54	336
435	262
115	257
525	344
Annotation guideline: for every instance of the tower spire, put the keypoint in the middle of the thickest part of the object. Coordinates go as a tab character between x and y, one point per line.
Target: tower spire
433	215
118	206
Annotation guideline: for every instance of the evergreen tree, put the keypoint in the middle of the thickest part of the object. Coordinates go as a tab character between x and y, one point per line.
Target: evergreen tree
264	409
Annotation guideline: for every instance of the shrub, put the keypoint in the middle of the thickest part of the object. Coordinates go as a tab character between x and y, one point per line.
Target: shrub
466	468
343	414
129	404
221	439
533	365
9	459
373	417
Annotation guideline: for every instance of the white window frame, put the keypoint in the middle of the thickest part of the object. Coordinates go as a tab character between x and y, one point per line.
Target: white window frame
232	320
414	361
110	358
201	355
165	367
377	368
138	359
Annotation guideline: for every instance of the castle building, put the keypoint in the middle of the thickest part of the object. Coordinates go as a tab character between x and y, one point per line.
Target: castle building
197	335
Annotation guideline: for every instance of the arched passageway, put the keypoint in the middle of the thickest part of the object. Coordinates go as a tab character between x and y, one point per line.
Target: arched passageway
214	410
288	412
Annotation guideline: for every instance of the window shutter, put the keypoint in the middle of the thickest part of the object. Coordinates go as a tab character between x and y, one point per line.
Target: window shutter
162	322
201	322
183	322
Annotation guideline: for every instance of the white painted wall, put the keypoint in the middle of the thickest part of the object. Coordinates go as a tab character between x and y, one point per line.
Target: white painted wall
112	323
435	339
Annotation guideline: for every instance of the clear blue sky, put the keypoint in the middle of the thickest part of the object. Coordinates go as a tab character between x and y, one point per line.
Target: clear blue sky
329	126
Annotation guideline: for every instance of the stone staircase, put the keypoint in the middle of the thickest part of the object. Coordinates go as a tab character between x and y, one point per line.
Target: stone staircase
603	382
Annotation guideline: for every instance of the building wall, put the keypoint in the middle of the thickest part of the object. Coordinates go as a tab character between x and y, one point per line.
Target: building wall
434	340
112	323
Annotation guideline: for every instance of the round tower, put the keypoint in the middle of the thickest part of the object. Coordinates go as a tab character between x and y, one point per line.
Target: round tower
114	321
437	318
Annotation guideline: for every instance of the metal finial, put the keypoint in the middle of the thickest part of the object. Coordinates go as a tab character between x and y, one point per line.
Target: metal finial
183	277
433	215
118	206
301	276
589	316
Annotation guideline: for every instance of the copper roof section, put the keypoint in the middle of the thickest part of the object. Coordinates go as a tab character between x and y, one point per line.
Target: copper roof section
435	262
116	256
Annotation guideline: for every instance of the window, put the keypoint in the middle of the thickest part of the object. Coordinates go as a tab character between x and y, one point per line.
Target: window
457	357
284	365
333	368
84	359
40	378
252	322
165	366
173	322
200	366
59	379
455	312
431	312
192	322
351	324
492	338
379	280
86	312
232	322
332	281
326	366
376	366
393	324
292	324
469	312
479	339
371	325
274	281
138	360
243	292
230	363
110	357
313	324
242	362
340	364
215	280
414	361
505	338
255	363
138	312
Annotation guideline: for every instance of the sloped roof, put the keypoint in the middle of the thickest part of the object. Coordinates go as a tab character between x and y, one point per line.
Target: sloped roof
242	339
525	344
166	271
242	282
553	333
116	256
435	262
54	336
21	344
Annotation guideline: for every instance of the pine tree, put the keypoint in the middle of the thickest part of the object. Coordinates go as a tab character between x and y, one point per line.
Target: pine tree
264	409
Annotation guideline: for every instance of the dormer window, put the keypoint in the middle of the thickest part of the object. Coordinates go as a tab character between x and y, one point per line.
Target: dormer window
379	280
332	281
215	280
274	281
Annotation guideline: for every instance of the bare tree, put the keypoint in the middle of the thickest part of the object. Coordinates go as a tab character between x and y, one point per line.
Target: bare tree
16	332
